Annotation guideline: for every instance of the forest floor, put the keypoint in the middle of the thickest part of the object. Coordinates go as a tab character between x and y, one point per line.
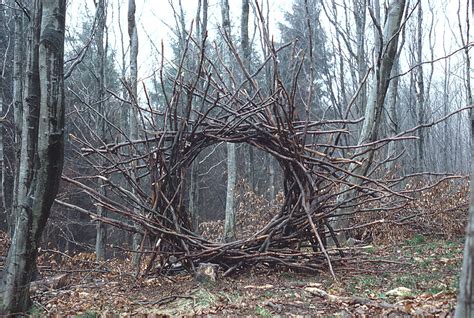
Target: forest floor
417	277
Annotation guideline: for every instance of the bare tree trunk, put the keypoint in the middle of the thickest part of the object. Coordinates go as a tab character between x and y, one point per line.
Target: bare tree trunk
125	111
229	224
194	180
446	136
18	70
359	18
101	230
6	139
193	197
205	10
42	145
244	32
420	92
392	119
272	178
3	107
383	70
465	303
373	111
246	53
132	33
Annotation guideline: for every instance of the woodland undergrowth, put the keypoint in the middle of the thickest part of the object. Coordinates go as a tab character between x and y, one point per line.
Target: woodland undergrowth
404	262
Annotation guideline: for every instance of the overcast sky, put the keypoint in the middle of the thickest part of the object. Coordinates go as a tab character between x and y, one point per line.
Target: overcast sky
156	23
159	24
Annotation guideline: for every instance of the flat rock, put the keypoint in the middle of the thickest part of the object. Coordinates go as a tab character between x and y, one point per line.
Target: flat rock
207	272
399	292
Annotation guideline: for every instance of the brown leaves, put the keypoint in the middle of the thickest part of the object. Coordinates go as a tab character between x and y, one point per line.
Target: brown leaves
440	211
4	243
261	291
254	211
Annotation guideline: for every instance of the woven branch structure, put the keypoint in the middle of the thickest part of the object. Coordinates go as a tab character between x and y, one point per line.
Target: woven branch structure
201	108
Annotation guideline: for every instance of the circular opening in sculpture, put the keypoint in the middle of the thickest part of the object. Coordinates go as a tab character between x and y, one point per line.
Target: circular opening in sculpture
257	195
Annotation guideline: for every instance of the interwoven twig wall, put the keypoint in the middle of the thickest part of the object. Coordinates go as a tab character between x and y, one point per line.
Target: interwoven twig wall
207	102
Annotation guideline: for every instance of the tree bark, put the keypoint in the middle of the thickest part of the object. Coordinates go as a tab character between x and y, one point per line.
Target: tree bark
6	142
373	110
246	53
132	33
393	103
465	303
194	180
229	224
271	179
18	81
392	119
420	91
43	145
101	230
383	70
359	18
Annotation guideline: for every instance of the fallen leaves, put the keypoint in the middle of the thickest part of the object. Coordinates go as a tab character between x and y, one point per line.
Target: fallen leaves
380	281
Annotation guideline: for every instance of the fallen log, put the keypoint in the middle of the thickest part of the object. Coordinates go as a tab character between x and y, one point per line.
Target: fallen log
55	282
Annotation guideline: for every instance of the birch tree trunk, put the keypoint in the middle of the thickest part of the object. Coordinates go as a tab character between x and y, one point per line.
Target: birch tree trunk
229	224
41	152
